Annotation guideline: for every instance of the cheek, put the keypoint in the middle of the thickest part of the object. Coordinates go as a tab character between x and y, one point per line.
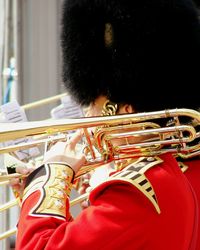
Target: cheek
93	111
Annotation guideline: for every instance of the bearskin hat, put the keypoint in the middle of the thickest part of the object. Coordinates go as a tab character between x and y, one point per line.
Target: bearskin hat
141	52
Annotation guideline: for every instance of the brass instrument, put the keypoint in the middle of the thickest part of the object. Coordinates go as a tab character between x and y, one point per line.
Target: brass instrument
100	135
110	128
43	101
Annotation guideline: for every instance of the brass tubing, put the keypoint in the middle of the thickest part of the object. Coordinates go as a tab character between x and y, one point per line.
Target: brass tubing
8	233
43	101
15	202
8	205
11	176
78	199
12	131
2	183
89	143
31	144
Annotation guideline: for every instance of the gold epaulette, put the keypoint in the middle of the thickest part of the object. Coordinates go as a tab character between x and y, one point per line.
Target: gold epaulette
55	187
134	174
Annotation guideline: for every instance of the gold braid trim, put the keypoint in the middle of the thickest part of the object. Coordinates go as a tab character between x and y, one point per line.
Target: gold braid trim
109	108
134	174
182	166
55	187
108	35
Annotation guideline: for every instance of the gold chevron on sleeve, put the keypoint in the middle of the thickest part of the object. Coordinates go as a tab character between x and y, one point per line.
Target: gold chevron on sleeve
54	197
55	187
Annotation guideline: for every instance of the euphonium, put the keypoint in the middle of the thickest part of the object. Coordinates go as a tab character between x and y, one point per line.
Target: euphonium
175	137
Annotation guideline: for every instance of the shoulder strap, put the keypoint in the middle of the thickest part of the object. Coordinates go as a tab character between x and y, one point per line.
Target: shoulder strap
134	174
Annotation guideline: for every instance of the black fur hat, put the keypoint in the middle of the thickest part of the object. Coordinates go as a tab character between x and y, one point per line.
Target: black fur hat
139	52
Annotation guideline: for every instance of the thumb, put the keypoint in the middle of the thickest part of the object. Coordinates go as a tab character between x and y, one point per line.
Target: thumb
81	161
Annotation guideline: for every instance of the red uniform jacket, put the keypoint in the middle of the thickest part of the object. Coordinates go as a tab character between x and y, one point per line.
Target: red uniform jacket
193	175
157	212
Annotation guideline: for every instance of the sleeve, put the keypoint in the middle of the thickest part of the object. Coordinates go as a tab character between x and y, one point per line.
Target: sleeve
100	226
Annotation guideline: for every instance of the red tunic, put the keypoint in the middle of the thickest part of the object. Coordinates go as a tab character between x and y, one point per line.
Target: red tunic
193	175
120	216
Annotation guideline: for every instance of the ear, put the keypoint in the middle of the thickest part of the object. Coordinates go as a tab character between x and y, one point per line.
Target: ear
126	109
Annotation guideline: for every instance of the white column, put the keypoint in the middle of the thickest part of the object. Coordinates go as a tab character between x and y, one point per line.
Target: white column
39	68
2	29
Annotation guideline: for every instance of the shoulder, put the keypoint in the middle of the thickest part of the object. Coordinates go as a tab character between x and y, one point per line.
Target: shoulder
133	176
158	180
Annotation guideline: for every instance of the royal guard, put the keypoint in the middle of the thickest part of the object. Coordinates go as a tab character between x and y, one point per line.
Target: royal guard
121	57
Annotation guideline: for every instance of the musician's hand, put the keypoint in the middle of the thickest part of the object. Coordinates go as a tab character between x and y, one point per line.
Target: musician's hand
18	184
66	152
84	187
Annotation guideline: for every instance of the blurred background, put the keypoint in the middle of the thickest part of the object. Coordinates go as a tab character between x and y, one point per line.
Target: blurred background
30	49
30	77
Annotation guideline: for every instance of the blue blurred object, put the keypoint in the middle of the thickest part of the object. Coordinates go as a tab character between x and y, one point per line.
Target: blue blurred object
10	74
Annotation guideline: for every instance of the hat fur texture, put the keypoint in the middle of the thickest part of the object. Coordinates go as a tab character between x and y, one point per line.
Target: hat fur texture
135	52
